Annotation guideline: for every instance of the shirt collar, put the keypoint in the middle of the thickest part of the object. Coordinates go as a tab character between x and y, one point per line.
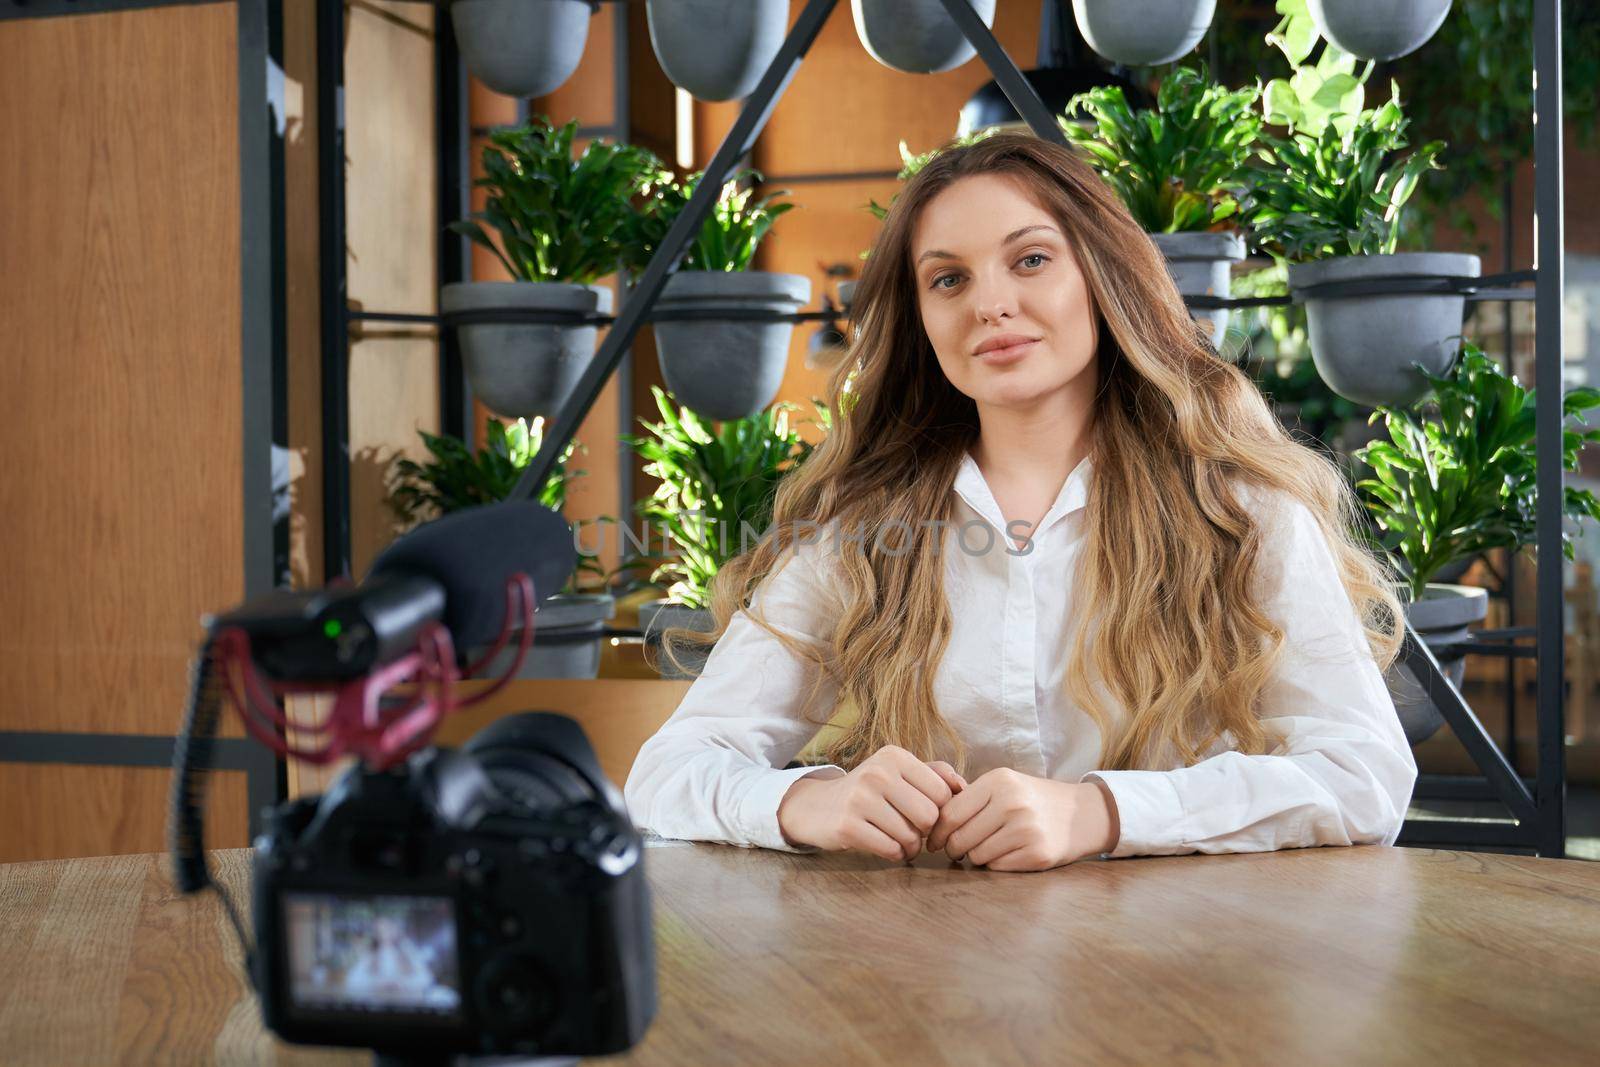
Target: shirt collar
972	487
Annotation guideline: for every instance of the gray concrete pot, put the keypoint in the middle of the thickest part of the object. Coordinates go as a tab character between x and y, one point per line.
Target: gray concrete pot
716	49
727	368
567	632
1143	32
915	36
658	615
1378	29
1200	265
522	47
1364	346
1440	618
524	369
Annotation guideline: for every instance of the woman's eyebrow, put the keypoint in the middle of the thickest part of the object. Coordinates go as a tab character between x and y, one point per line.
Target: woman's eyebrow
1015	234
939	253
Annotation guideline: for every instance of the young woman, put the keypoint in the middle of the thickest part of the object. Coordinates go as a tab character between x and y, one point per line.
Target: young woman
1086	595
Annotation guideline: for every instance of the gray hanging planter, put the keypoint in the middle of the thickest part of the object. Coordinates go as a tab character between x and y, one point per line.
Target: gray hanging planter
716	49
522	47
726	368
1378	29
658	615
1440	618
915	36
1364	345
1200	265
1143	32
568	629
525	369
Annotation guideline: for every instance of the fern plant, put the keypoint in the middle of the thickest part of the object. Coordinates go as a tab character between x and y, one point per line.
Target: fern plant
454	477
557	217
1336	193
727	240
1461	480
1179	166
717	487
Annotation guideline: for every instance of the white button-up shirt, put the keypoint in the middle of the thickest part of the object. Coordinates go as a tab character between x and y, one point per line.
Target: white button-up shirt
1340	771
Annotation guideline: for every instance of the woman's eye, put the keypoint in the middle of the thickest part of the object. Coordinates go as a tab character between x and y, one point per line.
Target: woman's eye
1035	255
942	278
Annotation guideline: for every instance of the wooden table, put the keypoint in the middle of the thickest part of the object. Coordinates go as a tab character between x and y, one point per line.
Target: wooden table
1325	955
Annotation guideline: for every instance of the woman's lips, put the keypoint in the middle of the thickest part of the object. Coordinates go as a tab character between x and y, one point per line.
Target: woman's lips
1009	354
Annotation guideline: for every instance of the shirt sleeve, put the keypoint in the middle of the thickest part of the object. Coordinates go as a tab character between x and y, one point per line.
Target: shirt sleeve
715	769
1341	772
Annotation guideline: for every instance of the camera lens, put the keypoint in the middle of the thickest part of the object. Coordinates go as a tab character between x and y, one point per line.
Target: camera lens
540	760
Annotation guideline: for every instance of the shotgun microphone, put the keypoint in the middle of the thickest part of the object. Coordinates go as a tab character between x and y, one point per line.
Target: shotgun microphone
452	570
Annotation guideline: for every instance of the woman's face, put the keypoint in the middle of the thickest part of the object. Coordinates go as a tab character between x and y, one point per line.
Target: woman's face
989	262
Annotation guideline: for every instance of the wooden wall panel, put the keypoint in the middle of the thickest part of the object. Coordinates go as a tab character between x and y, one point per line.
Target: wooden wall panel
119	361
393	251
54	811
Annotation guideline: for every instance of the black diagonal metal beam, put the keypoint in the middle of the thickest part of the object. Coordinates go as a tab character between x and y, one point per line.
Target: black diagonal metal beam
1467	728
739	141
1006	75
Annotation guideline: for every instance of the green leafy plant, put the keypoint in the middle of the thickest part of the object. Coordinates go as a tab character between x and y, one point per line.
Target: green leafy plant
727	240
1315	95
454	477
1178	166
912	162
1462	480
715	485
557	217
1336	193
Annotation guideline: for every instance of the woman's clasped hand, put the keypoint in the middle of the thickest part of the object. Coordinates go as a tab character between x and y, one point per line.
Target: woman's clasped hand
892	804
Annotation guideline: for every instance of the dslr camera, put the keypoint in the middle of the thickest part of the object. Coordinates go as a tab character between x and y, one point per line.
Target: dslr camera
433	902
489	900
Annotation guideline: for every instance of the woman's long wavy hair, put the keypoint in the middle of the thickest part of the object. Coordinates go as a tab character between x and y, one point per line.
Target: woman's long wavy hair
1180	641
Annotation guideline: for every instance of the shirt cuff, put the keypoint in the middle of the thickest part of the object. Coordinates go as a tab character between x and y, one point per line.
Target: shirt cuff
758	808
1149	813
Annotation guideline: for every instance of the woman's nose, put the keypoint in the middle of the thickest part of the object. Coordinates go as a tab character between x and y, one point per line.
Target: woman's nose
994	299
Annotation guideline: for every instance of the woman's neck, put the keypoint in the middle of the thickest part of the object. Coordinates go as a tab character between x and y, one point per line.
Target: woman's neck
1037	449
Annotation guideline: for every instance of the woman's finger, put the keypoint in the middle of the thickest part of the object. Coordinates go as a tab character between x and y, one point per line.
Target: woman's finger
1002	841
975	831
886	817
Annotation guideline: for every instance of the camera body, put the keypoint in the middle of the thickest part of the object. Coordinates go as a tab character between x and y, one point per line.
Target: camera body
490	900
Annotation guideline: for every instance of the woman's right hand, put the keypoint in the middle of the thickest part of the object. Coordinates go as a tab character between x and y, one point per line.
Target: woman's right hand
886	806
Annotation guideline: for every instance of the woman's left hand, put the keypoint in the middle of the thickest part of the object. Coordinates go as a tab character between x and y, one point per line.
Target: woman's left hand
1009	821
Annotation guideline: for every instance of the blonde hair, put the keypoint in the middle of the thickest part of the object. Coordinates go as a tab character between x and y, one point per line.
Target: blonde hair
1180	641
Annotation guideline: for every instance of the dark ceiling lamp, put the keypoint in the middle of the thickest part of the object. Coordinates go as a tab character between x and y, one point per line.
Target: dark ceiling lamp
1066	68
829	344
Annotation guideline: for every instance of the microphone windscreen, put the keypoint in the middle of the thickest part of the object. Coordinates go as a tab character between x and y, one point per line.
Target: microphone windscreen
472	552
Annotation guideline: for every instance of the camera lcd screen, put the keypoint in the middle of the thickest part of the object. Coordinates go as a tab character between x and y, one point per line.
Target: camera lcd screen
373	954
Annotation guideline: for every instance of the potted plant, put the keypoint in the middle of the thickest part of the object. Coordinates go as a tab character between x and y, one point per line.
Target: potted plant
1178	167
727	64
1328	197
915	36
723	366
716	493
520	48
1143	33
568	625
1452	486
1378	29
556	218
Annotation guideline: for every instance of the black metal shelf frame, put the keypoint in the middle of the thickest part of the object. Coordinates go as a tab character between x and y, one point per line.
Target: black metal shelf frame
1536	810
